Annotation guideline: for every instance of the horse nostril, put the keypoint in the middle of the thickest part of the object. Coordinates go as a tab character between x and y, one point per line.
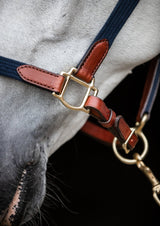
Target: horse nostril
31	163
10	214
23	188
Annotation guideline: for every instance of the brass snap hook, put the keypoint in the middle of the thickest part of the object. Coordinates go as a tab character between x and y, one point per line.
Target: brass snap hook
137	158
156	192
149	174
138	131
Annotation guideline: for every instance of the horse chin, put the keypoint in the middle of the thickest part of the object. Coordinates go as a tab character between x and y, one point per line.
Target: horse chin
21	209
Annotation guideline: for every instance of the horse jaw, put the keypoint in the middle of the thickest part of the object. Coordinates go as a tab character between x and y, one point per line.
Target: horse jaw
14	205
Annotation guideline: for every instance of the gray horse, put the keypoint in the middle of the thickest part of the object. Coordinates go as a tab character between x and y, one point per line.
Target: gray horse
33	124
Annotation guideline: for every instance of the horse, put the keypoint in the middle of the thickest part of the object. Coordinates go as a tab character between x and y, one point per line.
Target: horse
33	124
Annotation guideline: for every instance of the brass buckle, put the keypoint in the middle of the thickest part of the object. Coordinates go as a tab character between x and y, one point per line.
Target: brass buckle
127	160
124	145
90	87
137	130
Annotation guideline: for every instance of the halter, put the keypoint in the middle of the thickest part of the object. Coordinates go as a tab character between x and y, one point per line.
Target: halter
83	74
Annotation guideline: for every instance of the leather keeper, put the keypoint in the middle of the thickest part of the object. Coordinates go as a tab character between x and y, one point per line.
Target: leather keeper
108	119
110	122
97	108
93	60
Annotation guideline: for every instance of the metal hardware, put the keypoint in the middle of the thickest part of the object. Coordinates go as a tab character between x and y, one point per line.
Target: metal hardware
149	174
137	158
138	131
141	124
127	160
90	87
124	145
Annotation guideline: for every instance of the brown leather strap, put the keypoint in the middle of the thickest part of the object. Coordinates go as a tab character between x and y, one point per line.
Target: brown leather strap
98	132
42	78
108	119
92	60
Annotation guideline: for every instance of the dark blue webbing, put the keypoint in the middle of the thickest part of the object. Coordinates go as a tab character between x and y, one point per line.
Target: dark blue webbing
109	31
116	20
8	68
154	89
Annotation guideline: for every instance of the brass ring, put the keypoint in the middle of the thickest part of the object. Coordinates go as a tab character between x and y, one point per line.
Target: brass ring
131	161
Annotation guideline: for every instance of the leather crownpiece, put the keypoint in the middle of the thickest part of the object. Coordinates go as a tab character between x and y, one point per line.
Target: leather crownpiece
42	78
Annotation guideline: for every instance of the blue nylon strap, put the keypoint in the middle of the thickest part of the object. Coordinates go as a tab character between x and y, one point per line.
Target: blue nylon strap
114	23
8	68
116	20
109	31
154	89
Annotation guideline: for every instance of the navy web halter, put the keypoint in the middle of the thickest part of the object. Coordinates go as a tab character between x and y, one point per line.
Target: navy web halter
109	31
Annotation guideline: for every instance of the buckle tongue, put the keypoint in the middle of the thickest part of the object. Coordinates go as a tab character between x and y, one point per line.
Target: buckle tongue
90	87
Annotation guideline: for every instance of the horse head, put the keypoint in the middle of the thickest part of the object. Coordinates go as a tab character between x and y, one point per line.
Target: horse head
33	124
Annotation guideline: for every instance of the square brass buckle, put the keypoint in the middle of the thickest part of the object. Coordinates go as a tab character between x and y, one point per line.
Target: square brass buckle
90	87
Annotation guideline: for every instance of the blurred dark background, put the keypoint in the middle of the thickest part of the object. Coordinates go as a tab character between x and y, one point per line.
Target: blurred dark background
99	190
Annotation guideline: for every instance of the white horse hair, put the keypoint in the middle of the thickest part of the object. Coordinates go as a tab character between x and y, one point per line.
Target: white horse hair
54	35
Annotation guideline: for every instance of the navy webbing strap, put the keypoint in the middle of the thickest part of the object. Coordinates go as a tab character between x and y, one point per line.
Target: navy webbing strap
116	20
8	68
109	31
151	92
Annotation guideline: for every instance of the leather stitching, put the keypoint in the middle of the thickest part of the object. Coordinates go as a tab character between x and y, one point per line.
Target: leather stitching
104	41
38	69
94	46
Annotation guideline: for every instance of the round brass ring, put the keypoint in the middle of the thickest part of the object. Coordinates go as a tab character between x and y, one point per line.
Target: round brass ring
131	161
